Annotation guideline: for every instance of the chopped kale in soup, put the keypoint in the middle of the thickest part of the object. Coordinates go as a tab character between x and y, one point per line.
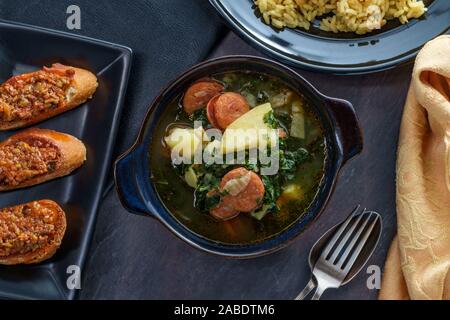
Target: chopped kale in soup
236	202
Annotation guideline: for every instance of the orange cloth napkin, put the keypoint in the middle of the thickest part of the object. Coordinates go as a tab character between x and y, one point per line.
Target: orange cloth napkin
418	263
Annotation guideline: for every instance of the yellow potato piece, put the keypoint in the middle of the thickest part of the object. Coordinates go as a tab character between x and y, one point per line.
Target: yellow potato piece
248	131
298	120
191	178
184	141
293	192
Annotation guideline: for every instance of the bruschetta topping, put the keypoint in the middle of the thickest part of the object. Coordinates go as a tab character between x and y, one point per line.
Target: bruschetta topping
25	96
26	228
25	159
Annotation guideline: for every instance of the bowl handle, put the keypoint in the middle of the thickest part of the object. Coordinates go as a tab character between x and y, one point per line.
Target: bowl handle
348	131
126	175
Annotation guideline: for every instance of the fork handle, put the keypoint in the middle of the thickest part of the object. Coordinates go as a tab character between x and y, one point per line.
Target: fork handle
309	287
318	293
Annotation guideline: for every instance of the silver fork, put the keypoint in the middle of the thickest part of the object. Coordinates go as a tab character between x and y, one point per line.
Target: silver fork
340	253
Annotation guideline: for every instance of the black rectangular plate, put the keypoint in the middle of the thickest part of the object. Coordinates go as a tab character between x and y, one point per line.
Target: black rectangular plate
26	48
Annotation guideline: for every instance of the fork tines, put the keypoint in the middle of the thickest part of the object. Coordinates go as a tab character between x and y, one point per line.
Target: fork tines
347	243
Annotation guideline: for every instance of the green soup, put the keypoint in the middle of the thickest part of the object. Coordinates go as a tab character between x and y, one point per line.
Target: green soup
288	194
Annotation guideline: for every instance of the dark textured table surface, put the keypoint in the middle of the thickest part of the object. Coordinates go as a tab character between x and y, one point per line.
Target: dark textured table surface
136	257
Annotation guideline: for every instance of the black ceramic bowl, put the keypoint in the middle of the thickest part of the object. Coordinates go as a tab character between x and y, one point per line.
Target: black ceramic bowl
132	169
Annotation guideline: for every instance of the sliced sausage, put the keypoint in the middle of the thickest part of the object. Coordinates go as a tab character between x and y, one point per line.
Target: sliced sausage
251	195
226	108
199	94
223	212
210	112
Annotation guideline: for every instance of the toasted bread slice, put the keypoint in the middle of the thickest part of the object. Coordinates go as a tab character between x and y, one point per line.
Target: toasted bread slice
33	97
37	155
39	228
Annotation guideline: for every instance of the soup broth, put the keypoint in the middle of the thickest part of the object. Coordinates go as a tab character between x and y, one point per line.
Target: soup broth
287	195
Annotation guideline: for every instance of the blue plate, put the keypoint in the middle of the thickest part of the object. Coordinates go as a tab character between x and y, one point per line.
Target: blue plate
338	53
